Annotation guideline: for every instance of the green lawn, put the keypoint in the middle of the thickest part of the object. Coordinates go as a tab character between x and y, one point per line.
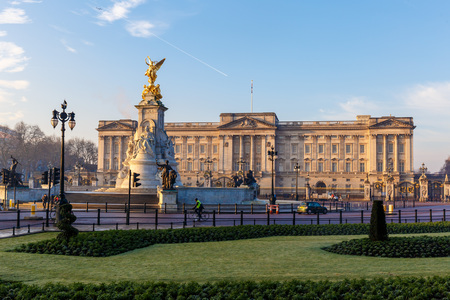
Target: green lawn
276	258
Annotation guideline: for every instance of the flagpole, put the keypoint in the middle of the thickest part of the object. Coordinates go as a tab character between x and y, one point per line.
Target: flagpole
252	98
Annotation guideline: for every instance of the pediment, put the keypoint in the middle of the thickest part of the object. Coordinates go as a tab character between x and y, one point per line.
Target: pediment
247	123
392	123
115	126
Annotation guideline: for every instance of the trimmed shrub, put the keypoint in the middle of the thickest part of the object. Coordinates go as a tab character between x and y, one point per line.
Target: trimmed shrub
378	229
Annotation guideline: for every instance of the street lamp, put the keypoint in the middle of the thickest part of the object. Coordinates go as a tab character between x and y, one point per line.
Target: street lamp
208	174
272	156
63	117
241	162
297	169
198	183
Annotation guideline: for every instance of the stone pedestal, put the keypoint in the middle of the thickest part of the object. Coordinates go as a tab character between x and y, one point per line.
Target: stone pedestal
423	183
308	192
167	200
367	193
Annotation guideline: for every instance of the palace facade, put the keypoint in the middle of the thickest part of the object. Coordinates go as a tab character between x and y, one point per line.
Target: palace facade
332	156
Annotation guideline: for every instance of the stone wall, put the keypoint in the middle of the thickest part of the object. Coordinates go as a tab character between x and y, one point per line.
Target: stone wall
215	195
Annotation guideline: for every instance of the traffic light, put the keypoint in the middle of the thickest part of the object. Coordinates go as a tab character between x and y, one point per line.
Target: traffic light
44	178
5	175
136	179
56	175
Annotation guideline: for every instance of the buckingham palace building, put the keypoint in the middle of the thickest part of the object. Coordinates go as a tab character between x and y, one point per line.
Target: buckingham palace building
331	156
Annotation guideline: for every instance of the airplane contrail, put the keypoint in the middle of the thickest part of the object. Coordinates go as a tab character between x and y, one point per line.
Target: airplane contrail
181	50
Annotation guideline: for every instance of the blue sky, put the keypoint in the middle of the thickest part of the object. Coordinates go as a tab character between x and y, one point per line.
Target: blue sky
309	60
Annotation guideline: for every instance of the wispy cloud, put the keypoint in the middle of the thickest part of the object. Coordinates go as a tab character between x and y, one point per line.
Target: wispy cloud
18	2
13	16
60	29
12	58
3	33
14	84
139	28
349	108
68	48
119	10
430	97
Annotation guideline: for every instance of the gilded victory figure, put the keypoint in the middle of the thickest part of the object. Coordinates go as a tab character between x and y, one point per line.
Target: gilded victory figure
153	67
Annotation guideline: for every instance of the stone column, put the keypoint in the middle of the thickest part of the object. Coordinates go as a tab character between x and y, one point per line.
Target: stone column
221	154
395	159
101	153
372	155
264	148
385	161
252	152
111	152
119	157
408	153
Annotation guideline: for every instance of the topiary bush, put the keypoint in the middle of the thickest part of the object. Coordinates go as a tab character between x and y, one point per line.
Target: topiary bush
65	223
378	228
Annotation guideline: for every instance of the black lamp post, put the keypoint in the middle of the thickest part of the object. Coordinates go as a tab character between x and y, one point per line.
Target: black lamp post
272	156
198	183
241	162
297	169
208	173
63	117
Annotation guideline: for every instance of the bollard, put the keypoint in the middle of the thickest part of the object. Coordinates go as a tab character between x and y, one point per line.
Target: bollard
415	218
18	218
185	218
431	215
218	209
292	207
29	228
444	214
117	226
33	210
137	225
251	208
311	221
46	218
165	208
399	216
367	206
214	218
340	217
318	221
87	206
268	218
145	208
43	229
14	231
242	217
106	207
362	217
235	209
171	225
98	216
156	219
184	206
293	218
404	204
125	207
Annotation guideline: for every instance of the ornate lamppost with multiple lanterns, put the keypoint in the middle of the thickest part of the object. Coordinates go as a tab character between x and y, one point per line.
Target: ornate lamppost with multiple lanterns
272	156
297	169
63	117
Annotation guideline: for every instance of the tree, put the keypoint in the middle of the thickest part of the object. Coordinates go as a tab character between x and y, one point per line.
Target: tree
378	228
446	167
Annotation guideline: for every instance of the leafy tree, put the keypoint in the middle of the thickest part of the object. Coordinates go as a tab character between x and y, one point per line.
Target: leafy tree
446	167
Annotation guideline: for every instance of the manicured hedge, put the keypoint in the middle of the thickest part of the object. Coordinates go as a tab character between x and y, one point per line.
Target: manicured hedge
390	288
423	246
107	243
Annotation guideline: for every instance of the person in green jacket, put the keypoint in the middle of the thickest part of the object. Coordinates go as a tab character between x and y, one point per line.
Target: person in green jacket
198	208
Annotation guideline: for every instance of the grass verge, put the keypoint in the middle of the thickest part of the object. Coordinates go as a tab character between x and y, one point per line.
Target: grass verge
273	258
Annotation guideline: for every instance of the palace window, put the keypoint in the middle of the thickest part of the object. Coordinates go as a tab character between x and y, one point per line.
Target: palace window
116	164
321	148
247	147
401	166
177	148
294	149
202	166
348	167
362	167
258	149
334	148
348	148
107	146
307	167
379	148
362	149
106	164
334	167
401	148
215	166
391	147
116	148
236	148
379	166
189	165
308	148
258	167
202	149
320	167
215	148
190	148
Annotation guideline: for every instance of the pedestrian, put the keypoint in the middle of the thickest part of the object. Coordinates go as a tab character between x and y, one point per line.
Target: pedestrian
44	201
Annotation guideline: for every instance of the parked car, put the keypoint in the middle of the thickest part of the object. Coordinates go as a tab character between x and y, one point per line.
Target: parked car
311	208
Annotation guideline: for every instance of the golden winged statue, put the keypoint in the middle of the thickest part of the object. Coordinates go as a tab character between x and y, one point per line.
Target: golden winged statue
153	67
